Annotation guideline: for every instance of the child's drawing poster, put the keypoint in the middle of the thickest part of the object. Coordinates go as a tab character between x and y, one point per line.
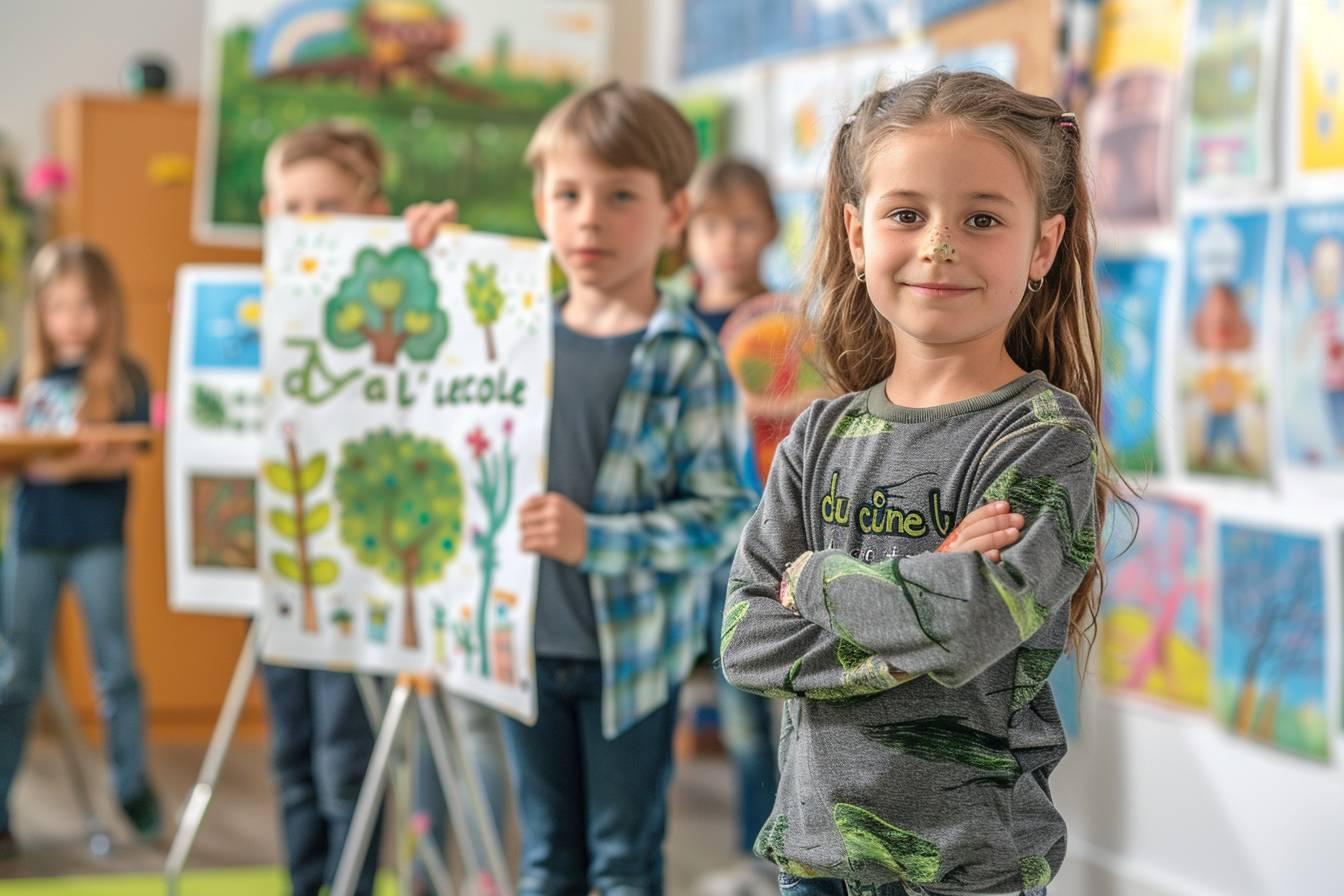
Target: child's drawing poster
1231	64
1129	125
807	104
407	422
1131	290
1312	352
1317	122
1223	372
785	261
1272	653
214	440
1155	618
453	91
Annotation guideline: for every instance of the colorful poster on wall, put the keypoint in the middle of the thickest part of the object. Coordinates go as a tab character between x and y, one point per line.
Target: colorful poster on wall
214	440
407	422
1318	92
1155	618
807	104
1131	291
785	261
453	91
1129	127
1233	56
1272	629
717	34
883	69
1067	691
1312	367
1223	373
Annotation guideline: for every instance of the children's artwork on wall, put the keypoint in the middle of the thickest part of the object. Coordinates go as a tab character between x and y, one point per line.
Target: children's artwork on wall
453	91
1223	376
1064	686
1317	122
710	117
407	422
1129	124
718	34
1312	367
1230	68
1271	656
785	261
807	104
1155	618
1131	292
775	370
214	440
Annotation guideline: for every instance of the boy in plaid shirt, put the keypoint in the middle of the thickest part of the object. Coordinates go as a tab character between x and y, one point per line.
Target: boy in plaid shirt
644	499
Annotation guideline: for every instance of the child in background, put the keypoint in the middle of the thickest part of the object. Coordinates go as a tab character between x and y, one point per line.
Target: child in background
68	514
954	275
321	739
732	222
643	500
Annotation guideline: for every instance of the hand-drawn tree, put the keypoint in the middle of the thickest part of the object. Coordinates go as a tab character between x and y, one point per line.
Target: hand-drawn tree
401	511
297	479
486	300
1272	601
391	302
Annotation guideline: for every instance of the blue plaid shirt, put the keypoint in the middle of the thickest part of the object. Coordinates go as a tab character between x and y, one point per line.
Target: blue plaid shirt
667	507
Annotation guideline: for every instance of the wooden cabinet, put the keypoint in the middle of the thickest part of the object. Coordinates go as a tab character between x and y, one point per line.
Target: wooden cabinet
131	163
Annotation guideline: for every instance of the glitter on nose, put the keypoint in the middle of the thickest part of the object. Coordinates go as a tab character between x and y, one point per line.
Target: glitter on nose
944	252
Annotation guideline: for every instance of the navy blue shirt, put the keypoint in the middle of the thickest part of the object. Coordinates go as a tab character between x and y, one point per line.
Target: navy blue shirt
72	515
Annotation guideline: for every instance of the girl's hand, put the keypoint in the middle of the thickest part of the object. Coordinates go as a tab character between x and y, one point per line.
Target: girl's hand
554	526
788	585
424	219
986	530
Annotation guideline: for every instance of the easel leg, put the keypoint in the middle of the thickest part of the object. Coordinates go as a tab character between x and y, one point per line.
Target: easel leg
194	812
437	720
71	742
371	792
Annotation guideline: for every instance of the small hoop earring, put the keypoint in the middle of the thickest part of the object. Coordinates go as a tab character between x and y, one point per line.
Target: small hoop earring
1037	287
860	276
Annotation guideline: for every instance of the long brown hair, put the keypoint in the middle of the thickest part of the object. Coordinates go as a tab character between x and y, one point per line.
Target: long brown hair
1056	330
103	380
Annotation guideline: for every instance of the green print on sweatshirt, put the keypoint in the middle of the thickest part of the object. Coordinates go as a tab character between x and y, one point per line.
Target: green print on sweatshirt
870	841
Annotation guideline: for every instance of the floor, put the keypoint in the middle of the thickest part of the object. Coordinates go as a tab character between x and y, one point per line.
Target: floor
240	828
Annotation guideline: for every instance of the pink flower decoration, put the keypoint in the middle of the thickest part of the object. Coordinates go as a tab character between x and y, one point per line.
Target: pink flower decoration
46	178
508	427
478	442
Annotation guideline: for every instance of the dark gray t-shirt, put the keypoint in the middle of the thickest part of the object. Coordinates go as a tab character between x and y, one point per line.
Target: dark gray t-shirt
589	376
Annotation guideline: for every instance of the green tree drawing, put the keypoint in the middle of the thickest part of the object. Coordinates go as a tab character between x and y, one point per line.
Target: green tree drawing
401	511
486	300
297	479
391	302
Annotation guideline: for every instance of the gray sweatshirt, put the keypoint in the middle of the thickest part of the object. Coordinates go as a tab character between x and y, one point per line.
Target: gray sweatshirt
920	733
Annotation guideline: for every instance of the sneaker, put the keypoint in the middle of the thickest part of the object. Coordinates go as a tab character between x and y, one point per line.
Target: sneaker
749	877
142	811
9	847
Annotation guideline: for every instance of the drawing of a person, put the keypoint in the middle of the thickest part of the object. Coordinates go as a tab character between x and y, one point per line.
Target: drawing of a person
1219	328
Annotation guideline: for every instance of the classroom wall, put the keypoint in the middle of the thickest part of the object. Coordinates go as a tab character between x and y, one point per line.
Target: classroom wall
43	57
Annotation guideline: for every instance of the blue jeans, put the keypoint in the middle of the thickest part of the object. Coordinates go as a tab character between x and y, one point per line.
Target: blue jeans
593	811
828	886
321	742
478	729
32	583
747	729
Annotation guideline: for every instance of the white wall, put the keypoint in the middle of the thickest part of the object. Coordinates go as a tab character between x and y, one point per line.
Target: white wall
52	47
